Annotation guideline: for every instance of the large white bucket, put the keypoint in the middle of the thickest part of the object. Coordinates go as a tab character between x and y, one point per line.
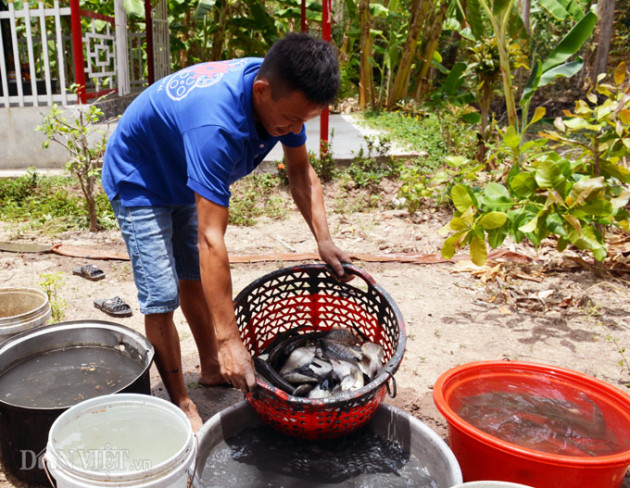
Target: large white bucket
121	440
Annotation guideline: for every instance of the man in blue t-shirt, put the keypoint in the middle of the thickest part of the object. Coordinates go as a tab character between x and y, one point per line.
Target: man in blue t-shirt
167	172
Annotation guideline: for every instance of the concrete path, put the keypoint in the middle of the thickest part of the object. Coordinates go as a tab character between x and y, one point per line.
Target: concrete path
346	141
346	138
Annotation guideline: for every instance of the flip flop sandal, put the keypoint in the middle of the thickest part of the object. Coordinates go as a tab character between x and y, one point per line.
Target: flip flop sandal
90	272
115	307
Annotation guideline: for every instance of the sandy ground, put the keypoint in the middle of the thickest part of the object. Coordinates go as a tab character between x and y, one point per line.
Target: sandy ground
561	313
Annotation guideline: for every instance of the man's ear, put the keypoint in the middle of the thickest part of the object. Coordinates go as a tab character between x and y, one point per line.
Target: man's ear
261	86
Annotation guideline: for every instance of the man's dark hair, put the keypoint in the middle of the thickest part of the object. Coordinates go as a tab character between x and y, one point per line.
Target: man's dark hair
305	63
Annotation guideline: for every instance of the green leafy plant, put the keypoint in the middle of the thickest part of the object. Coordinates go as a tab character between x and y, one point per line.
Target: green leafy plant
325	165
419	185
486	69
573	193
52	283
368	169
506	24
85	153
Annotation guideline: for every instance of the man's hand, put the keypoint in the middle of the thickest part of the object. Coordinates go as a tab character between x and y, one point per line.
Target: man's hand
237	366
334	256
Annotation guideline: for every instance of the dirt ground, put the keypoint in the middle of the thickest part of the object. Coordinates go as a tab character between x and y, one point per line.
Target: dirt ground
553	309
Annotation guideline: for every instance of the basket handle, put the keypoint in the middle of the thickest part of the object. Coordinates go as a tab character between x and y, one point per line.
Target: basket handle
393	391
354	270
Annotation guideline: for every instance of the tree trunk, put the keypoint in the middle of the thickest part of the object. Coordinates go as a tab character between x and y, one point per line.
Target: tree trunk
424	83
606	14
91	203
526	7
218	38
419	12
183	53
485	101
366	77
87	182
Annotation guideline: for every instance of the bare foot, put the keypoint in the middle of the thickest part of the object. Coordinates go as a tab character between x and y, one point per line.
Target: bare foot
189	408
211	379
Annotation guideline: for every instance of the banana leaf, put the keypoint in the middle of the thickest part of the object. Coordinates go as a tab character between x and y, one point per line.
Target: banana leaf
572	42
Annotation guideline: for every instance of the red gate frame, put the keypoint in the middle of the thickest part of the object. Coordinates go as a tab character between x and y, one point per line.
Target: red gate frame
323	120
76	12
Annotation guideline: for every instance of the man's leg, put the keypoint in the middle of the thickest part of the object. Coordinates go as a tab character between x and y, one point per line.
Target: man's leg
195	309
148	233
162	334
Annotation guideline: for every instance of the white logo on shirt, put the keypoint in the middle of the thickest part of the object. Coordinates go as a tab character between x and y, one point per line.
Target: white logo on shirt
203	75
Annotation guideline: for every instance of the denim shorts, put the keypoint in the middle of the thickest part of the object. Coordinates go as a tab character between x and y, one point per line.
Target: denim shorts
162	246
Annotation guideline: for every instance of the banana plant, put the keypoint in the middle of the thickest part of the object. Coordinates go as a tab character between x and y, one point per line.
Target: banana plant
506	24
558	62
563	10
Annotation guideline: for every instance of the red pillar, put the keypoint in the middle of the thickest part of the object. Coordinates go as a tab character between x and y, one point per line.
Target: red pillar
323	121
149	31
77	46
303	16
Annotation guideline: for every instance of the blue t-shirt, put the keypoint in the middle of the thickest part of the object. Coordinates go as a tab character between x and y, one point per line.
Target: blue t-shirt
192	131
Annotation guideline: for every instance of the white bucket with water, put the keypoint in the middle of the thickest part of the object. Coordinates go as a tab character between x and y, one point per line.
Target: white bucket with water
121	440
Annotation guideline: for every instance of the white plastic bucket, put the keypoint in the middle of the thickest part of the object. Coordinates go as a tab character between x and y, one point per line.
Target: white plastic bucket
121	440
22	309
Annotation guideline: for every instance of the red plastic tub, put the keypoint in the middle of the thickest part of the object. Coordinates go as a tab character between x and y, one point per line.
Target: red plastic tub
484	456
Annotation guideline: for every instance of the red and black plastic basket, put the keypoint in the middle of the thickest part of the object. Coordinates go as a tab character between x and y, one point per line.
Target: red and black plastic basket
310	297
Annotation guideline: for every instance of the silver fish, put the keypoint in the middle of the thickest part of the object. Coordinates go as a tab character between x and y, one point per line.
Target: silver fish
372	358
344	336
319	392
304	389
298	358
313	372
320	368
353	381
321	363
264	370
301	375
337	350
340	368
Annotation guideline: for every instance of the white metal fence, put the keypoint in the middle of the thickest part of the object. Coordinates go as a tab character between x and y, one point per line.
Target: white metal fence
32	71
36	56
161	43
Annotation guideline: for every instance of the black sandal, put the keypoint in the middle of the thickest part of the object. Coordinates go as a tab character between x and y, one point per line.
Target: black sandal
115	307
90	272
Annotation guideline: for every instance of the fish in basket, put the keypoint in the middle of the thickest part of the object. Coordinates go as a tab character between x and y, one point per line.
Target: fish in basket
320	364
350	339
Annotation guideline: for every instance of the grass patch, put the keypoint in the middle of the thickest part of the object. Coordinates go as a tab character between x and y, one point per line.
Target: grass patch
435	134
50	204
415	132
256	195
